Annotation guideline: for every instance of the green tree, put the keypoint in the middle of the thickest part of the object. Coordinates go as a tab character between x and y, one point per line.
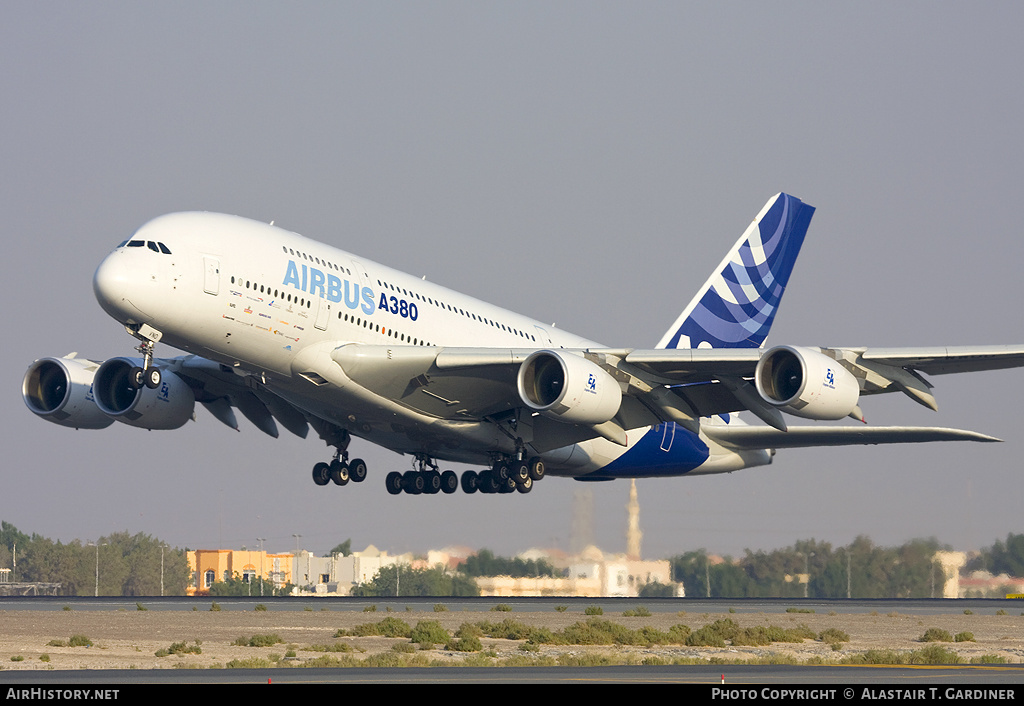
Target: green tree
484	563
1006	558
344	549
402	580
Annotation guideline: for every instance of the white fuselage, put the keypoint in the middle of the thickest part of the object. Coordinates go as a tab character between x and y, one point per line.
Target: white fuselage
270	303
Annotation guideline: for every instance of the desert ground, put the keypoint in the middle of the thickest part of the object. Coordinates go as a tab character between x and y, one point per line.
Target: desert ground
139	639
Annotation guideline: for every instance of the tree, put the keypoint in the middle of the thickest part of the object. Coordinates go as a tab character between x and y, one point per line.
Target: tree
1007	558
345	548
402	580
484	563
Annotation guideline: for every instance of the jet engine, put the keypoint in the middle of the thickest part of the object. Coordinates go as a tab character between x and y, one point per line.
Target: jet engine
60	391
568	388
806	383
169	406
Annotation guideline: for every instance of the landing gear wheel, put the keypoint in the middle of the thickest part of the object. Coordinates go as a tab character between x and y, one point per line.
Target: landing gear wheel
431	482
449	482
393	481
136	378
357	470
537	469
151	378
321	474
470	482
506	486
339	472
488	482
520	471
526	486
413	482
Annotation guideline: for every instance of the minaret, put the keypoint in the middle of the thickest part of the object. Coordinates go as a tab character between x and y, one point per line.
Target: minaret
633	533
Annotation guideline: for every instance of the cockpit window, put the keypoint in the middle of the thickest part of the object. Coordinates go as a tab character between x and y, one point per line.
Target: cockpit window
152	246
123	243
136	243
164	249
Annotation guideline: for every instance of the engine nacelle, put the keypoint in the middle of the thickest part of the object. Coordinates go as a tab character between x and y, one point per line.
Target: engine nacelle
806	383
167	407
60	391
568	388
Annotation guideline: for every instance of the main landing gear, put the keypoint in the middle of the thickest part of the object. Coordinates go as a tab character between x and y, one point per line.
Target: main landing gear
340	470
505	477
426	479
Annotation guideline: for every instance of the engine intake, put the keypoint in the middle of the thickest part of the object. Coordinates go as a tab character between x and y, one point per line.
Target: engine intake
167	407
568	388
60	391
806	383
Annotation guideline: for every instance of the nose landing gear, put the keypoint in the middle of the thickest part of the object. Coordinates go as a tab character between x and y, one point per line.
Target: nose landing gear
147	375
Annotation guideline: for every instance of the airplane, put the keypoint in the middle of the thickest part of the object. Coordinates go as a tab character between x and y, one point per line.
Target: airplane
291	331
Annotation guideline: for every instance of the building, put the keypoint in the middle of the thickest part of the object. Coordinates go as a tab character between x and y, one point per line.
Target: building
210	565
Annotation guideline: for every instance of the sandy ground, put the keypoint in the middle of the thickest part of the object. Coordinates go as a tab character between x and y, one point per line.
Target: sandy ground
131	639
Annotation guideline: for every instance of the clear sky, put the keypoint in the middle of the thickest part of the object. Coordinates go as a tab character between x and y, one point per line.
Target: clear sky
585	163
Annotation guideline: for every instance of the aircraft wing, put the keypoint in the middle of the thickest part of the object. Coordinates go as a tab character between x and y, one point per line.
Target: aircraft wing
759	437
678	385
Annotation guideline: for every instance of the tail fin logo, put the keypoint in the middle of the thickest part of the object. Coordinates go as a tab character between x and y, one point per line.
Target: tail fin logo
736	306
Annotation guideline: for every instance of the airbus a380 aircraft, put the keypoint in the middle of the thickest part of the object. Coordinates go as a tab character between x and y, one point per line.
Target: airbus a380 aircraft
288	330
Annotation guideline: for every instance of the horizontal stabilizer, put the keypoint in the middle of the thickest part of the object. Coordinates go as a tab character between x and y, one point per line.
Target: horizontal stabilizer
753	437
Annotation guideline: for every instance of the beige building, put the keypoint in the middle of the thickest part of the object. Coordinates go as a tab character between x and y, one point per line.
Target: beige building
210	565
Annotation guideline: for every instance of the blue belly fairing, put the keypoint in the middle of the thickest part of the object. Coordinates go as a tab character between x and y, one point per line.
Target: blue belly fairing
666	450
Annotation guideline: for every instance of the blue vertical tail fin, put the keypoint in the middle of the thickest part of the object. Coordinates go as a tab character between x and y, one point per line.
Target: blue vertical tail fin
736	306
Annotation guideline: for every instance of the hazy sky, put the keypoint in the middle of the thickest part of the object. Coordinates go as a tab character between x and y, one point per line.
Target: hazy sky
584	163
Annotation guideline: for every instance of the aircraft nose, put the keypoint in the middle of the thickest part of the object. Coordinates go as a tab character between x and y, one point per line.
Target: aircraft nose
112	286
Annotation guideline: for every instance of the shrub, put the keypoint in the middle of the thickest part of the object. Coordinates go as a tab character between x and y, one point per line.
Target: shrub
139	606
464	644
964	637
429	631
180	648
440	608
833	636
267	640
251	663
502	608
79	641
260	608
469	630
593	610
388	627
336	647
638	612
935	635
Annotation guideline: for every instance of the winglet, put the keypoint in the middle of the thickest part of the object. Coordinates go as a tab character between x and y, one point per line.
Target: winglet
736	306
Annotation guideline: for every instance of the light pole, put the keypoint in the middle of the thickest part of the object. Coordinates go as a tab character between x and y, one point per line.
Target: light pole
162	547
261	540
98	545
